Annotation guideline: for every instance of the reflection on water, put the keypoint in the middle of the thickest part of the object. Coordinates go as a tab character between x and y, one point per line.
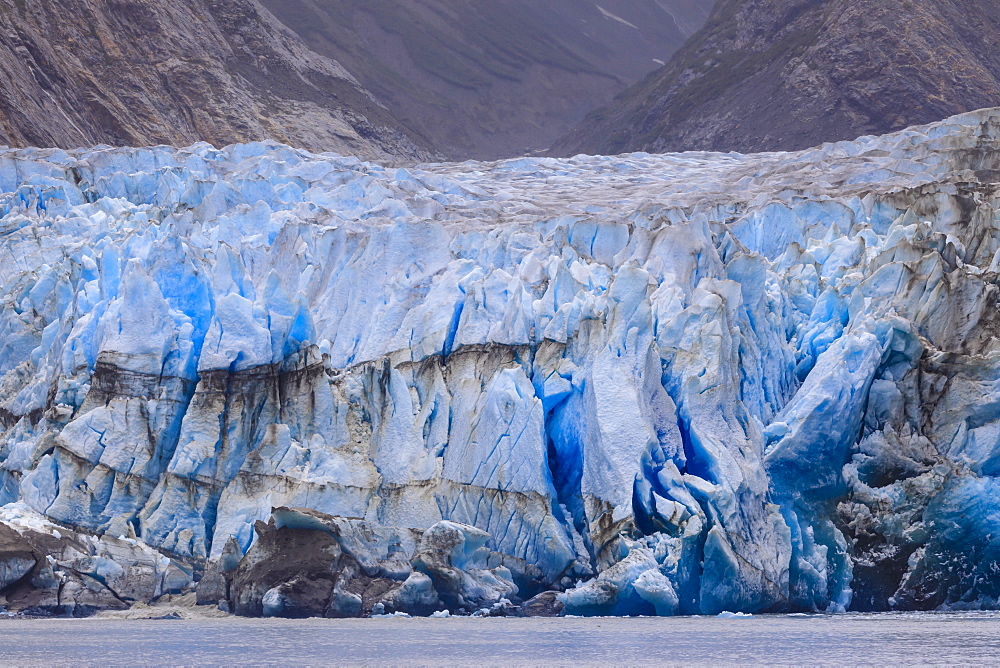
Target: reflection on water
911	638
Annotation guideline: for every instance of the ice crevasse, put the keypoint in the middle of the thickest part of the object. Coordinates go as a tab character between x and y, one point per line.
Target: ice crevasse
674	384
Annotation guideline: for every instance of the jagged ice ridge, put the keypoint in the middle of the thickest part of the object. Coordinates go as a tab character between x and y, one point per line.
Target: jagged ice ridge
674	383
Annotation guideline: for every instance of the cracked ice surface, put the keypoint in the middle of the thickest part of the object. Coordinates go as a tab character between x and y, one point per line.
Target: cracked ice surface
696	382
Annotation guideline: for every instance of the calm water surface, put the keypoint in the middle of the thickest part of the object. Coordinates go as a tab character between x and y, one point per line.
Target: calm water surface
892	639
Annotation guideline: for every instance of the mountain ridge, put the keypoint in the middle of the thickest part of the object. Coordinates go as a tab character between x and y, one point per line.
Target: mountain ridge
766	75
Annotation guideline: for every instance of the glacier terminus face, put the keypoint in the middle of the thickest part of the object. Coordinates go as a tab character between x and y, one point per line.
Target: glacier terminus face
670	384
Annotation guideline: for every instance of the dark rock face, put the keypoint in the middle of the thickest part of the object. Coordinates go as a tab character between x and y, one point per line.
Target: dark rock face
308	564
128	72
546	604
493	79
214	586
291	573
767	75
46	569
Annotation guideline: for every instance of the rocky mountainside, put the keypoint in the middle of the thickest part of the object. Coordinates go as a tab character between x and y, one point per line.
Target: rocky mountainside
372	78
788	74
646	384
498	78
133	72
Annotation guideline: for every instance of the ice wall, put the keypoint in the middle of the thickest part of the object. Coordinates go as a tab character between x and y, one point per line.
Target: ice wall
675	383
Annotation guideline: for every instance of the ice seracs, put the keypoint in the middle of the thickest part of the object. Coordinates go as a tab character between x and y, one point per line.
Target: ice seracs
663	384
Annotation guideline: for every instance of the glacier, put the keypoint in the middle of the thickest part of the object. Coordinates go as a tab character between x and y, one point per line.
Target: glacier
660	384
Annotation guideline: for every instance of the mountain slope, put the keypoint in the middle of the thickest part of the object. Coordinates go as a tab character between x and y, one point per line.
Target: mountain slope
789	74
83	72
499	78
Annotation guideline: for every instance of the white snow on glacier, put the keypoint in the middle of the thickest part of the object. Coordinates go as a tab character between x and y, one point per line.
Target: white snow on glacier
675	383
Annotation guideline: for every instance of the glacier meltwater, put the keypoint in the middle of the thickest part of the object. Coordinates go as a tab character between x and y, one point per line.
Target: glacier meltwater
644	384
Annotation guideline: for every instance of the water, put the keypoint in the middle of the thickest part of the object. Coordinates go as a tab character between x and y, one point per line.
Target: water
894	639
